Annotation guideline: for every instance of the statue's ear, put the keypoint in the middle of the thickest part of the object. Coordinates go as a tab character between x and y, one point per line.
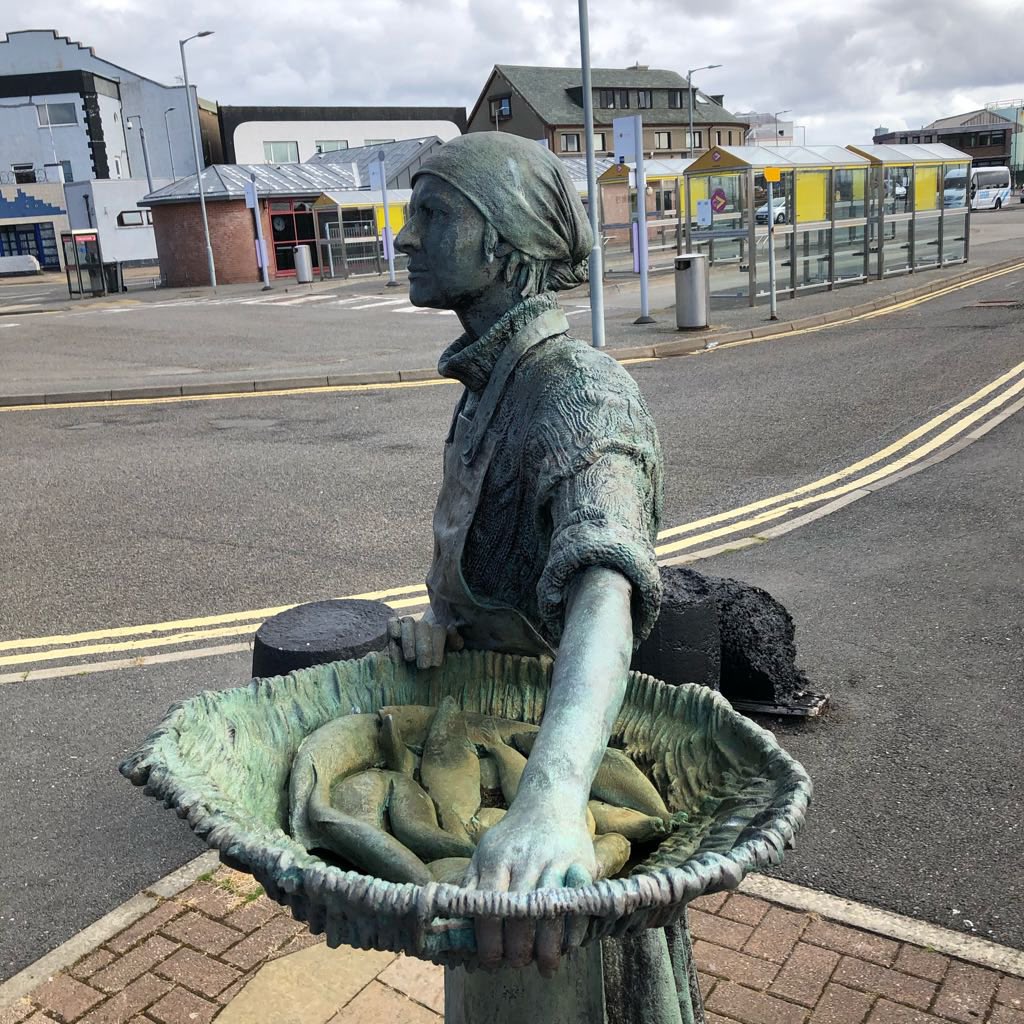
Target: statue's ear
494	245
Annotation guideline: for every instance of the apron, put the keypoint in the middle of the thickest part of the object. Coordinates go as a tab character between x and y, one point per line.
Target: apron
467	457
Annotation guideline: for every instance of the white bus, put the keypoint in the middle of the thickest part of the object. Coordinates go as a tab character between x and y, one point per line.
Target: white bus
990	188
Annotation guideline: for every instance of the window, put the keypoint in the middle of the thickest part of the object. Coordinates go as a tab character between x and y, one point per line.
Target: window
916	139
291	224
729	136
675	98
377	142
643	99
718	137
662	140
695	141
570	142
54	114
331	145
281	152
24	174
622	99
903	140
66	165
130	219
117	167
606	99
599	142
501	107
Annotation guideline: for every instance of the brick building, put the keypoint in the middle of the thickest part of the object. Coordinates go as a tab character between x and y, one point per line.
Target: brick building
289	212
985	136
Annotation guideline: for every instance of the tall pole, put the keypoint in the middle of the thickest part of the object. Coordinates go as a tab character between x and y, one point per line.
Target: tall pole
167	132
689	101
389	242
689	111
145	148
643	259
596	271
195	150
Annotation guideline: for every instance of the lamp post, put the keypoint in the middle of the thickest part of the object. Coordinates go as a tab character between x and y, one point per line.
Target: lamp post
167	132
145	149
195	150
595	273
689	102
776	116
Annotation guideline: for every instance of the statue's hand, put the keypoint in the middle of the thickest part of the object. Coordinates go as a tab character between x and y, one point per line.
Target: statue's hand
423	641
530	849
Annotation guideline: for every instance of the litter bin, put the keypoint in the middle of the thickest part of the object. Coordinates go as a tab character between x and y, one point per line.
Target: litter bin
113	278
693	294
303	265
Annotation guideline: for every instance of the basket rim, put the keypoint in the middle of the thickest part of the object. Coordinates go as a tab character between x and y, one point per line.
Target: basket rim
273	852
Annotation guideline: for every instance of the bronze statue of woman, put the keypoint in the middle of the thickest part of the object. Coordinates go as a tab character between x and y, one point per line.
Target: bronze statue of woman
550	499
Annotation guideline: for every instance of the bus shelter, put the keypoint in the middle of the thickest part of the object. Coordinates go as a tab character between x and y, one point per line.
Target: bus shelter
350	230
920	211
618	211
819	217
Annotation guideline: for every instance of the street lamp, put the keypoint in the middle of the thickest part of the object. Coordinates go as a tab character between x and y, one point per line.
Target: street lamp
167	132
145	149
195	150
689	102
776	116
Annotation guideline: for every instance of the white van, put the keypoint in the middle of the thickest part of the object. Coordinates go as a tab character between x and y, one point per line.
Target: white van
990	188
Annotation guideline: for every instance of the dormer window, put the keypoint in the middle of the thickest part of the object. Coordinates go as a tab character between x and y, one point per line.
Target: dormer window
501	108
675	98
644	99
613	99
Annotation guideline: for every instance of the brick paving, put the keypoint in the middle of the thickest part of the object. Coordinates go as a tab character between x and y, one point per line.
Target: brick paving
759	963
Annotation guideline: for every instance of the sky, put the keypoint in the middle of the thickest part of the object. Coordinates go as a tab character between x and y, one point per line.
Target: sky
841	68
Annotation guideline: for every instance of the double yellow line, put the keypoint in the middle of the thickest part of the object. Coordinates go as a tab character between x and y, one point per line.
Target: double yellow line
939	431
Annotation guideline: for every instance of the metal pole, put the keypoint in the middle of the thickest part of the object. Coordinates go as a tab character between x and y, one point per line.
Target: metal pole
388	240
170	151
145	148
259	235
772	310
195	150
689	111
596	269
641	222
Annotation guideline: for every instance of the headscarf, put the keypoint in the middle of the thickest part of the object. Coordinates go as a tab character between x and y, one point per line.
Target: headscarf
524	192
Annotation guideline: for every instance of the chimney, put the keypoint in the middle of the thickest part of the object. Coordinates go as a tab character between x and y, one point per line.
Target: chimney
639	67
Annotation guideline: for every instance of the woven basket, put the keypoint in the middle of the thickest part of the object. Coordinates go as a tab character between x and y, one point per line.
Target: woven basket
222	760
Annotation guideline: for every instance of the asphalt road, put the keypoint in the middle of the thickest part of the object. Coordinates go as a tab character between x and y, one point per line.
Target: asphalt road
907	603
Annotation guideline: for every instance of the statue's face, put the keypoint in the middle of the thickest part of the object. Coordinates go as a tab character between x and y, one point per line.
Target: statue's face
443	239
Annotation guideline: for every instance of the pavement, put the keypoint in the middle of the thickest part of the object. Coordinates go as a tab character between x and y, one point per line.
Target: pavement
206	944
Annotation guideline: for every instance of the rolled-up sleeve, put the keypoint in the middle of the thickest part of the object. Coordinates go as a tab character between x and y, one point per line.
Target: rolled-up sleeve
606	514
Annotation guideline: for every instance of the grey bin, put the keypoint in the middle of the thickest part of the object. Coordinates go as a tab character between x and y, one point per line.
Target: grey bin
693	296
303	265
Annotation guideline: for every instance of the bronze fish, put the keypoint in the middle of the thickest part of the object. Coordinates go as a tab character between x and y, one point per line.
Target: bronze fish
634	825
449	869
612	852
363	845
398	756
336	750
414	822
450	771
511	764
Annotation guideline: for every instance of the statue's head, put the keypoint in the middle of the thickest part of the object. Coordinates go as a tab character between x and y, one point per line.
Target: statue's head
492	212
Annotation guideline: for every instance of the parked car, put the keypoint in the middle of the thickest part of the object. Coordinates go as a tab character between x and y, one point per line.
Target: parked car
779	207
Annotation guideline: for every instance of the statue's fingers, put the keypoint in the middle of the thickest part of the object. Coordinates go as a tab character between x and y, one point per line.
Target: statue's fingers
438	639
577	876
395	628
409	638
489	941
519	936
548	945
424	647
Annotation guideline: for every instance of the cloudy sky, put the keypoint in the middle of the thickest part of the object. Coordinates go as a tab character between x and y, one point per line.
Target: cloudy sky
842	66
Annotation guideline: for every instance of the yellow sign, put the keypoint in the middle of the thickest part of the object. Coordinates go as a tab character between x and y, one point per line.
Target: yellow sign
772	174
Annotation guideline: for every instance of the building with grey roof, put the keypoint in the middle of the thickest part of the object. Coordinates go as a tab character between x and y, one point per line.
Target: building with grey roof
547	104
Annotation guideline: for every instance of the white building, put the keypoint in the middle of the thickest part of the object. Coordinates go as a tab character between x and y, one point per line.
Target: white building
769	130
63	107
283	135
125	229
